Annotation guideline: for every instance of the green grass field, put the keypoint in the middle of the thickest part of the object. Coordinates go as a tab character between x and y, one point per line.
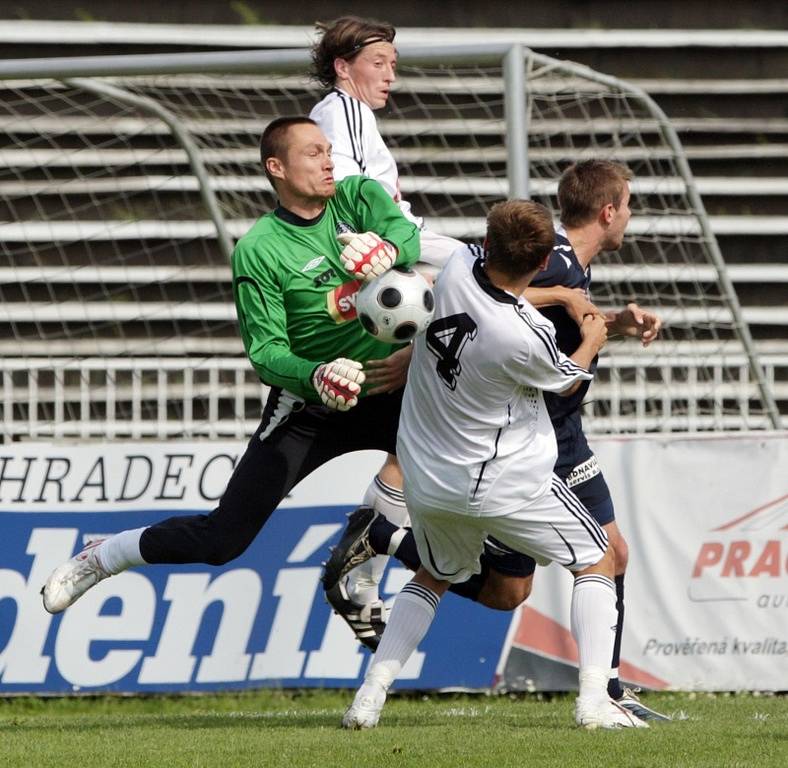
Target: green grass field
302	729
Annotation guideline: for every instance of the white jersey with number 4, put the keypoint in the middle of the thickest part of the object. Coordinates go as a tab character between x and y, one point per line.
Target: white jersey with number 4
474	433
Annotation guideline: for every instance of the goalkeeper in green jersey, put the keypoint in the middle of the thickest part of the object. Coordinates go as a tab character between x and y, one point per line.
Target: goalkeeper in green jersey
295	276
295	298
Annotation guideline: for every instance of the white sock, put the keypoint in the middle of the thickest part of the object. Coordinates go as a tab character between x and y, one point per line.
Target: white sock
387	501
411	617
362	582
593	619
121	551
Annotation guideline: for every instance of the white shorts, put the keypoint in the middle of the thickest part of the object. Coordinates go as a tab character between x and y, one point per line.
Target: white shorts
555	527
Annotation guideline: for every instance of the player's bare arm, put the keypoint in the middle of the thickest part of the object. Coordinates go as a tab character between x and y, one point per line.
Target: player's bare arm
390	373
636	322
573	300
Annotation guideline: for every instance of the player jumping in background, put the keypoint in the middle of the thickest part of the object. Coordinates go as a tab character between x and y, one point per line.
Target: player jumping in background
355	60
477	451
289	271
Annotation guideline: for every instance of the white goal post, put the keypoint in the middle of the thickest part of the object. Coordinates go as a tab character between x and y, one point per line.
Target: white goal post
125	180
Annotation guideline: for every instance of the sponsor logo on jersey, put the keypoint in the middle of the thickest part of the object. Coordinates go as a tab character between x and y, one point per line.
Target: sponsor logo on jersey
310	265
582	473
343	228
341	302
324	277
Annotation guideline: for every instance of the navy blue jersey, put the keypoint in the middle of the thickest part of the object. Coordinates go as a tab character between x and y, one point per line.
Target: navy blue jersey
564	269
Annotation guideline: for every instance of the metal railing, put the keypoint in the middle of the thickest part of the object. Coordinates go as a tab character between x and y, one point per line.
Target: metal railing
221	397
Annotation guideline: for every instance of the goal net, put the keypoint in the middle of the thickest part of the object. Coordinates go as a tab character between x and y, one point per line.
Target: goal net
122	196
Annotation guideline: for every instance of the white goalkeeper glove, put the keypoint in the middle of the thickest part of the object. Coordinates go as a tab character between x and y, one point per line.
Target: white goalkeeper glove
366	256
338	383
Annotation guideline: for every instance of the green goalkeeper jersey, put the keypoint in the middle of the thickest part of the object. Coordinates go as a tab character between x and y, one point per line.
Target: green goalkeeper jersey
296	304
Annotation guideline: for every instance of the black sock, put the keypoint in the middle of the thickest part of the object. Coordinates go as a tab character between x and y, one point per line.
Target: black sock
380	534
614	689
407	553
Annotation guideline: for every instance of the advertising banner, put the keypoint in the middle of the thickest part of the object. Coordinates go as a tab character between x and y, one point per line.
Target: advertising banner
706	520
259	621
706	591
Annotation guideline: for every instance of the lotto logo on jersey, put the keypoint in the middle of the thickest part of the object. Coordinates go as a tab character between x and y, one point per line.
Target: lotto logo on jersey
341	302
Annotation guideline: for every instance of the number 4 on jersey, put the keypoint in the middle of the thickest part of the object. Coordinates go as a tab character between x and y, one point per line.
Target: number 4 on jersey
446	338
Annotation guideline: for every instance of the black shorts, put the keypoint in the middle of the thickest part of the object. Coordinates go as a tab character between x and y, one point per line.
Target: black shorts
294	439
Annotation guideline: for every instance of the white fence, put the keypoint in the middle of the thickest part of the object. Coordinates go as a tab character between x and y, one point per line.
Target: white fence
103	397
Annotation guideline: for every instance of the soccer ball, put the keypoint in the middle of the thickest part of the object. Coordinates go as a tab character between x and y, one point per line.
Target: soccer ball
396	306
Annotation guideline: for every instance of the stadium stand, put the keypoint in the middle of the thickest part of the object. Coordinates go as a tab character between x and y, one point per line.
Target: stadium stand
735	132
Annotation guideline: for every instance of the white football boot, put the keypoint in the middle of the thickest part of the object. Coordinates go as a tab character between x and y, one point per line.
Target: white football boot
71	580
365	710
605	714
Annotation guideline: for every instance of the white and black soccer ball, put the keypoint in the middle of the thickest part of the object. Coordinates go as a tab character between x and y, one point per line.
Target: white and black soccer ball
396	306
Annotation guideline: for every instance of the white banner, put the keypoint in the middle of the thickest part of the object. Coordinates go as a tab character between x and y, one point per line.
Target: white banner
706	520
127	476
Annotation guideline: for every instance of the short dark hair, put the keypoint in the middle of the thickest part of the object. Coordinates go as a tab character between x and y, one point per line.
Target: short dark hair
273	142
345	38
520	235
587	187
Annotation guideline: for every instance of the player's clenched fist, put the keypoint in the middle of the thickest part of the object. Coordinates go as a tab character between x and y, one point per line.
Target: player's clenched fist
366	256
593	329
338	383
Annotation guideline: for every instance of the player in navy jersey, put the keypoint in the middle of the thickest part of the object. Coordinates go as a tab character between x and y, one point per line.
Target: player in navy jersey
566	271
594	200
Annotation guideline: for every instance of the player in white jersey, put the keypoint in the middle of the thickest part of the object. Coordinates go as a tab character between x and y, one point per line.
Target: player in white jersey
477	450
356	60
480	368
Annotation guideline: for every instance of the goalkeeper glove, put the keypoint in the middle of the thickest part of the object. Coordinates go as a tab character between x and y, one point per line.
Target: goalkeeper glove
366	256
338	383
